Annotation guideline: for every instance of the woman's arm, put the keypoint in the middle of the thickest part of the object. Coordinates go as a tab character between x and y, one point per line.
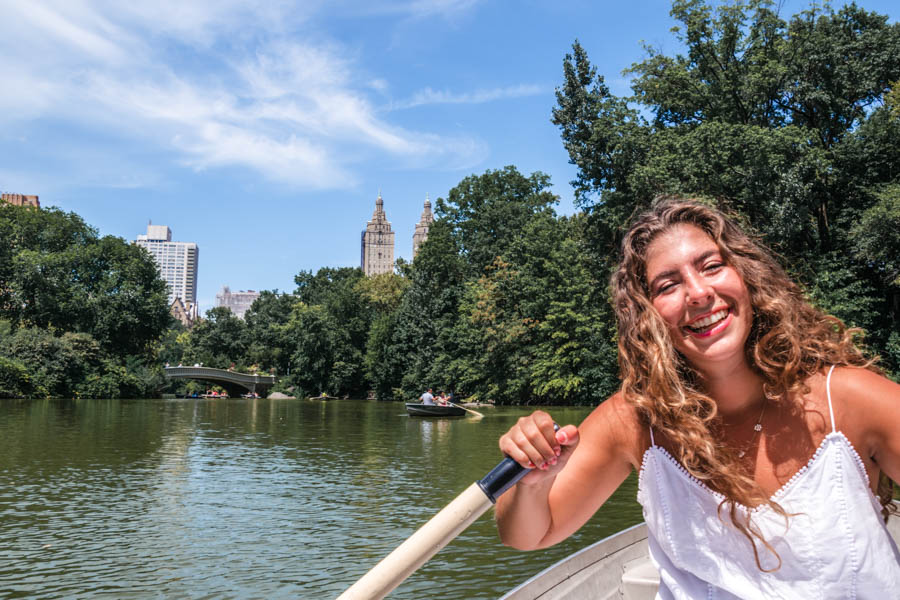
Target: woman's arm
562	492
871	406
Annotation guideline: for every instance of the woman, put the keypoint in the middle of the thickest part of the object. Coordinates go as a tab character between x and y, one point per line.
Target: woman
760	431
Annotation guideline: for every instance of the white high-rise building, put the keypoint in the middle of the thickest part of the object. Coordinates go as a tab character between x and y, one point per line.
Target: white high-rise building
177	262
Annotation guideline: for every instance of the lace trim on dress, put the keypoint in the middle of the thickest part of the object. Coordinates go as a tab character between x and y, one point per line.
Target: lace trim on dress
779	493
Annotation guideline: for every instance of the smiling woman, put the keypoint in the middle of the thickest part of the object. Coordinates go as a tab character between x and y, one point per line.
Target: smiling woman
701	298
759	429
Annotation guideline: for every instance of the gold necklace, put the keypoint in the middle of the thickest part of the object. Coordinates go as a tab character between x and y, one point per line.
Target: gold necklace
756	430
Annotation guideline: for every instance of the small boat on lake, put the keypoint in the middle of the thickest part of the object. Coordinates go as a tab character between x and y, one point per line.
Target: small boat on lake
615	567
434	410
323	397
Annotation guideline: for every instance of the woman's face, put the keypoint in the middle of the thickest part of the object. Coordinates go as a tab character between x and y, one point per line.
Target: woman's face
702	299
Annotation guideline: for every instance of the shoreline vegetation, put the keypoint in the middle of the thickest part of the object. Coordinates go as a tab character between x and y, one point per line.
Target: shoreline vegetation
791	124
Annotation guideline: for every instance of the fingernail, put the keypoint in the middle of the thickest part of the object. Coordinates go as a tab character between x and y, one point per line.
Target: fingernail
562	437
558	451
530	465
553	461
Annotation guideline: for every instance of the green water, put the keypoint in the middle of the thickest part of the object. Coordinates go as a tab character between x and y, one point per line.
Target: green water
249	499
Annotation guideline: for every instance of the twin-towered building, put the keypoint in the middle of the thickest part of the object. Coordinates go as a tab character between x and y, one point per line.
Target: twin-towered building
377	239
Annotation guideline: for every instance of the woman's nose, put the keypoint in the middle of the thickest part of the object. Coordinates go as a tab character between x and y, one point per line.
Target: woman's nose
698	291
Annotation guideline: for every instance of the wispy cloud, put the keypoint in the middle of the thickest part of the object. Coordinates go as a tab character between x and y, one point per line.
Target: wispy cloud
218	84
430	96
410	9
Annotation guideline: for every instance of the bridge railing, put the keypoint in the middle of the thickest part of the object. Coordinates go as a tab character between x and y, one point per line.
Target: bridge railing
218	374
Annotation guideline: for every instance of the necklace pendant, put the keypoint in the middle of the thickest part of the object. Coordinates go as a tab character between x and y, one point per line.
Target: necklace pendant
757	427
741	454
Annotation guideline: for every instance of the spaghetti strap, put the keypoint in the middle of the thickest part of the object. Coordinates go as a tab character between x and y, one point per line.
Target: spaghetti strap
828	392
652	443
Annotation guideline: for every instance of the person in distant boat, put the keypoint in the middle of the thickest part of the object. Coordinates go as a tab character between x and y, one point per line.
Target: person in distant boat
427	397
764	438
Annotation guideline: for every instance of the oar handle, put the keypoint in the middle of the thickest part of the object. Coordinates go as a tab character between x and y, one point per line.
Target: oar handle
503	476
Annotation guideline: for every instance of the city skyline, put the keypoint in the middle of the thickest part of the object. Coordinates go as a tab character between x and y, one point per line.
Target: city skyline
263	132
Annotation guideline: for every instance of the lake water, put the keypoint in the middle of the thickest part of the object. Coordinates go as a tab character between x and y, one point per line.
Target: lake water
250	498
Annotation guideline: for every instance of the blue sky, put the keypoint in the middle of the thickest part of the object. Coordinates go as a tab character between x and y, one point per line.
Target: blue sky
264	130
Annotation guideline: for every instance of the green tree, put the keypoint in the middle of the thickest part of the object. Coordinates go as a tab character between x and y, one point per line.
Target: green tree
57	364
486	213
268	342
15	380
425	318
316	353
346	315
384	292
60	275
217	341
535	321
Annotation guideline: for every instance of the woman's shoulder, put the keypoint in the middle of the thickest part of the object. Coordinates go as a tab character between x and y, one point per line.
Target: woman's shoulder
867	409
864	395
855	387
616	421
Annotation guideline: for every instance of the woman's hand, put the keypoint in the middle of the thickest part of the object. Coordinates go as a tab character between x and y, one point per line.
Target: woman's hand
533	443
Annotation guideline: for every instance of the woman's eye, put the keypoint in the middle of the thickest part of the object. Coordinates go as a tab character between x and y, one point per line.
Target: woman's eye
714	266
662	289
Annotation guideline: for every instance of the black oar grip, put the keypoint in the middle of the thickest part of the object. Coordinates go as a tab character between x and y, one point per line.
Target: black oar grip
503	476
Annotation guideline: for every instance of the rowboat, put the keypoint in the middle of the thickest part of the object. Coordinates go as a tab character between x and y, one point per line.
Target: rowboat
323	397
434	410
615	567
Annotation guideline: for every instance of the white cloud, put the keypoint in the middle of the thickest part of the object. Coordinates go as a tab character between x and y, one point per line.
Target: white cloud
290	109
430	96
411	9
427	8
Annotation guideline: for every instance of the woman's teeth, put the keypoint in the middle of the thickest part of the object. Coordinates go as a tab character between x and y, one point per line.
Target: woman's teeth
705	322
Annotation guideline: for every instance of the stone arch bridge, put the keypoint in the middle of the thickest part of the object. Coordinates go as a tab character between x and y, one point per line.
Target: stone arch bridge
230	380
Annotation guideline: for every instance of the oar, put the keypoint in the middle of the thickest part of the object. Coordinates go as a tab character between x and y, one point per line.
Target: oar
436	533
474	412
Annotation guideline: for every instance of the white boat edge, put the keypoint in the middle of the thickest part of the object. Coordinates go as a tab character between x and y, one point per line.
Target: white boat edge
616	567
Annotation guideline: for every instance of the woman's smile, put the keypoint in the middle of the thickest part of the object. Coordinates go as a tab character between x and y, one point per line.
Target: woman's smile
711	324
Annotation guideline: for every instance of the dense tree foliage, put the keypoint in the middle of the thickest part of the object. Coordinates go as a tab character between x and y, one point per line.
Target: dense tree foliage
79	314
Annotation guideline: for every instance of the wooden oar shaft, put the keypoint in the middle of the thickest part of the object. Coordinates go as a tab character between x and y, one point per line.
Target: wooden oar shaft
422	545
474	412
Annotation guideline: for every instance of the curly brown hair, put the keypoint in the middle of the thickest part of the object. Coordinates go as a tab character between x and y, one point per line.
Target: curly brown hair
790	340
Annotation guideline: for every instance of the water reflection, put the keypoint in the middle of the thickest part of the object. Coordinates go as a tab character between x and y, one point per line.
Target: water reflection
247	498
